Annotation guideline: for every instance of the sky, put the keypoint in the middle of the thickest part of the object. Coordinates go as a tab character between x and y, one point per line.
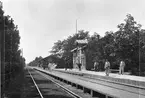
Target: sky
42	22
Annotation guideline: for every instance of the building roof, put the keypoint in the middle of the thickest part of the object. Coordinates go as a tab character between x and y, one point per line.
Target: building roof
78	48
84	41
73	49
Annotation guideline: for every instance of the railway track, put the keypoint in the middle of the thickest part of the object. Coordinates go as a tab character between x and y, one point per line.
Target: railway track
36	85
45	85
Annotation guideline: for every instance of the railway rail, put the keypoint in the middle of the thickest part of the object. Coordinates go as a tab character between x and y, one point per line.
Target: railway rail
36	85
59	86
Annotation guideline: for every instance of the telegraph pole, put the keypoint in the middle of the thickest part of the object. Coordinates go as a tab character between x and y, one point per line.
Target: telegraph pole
76	26
22	51
2	53
79	48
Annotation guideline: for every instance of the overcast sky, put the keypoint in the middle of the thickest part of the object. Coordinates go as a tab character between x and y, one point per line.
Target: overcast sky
43	22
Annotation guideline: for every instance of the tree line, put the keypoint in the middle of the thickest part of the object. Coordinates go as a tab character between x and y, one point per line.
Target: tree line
12	61
127	43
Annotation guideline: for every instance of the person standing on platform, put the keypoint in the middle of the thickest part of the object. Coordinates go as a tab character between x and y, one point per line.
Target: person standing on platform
79	65
121	69
66	66
96	66
107	67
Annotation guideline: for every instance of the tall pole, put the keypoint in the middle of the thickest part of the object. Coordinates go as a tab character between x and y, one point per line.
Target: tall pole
10	73
4	56
76	26
2	31
79	49
80	55
22	57
22	52
3	60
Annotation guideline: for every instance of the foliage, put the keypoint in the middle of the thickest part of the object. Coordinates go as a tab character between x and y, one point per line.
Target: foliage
64	47
14	62
127	43
35	62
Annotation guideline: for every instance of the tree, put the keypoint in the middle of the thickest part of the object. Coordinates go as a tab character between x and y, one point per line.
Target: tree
127	42
13	61
142	52
65	46
99	49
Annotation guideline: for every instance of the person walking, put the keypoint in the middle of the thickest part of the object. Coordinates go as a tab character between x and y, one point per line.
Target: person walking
107	67
121	69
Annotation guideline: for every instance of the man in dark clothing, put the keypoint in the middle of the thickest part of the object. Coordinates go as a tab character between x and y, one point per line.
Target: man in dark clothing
79	65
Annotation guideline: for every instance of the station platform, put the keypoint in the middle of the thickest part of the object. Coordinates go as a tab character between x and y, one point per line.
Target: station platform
125	79
115	85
